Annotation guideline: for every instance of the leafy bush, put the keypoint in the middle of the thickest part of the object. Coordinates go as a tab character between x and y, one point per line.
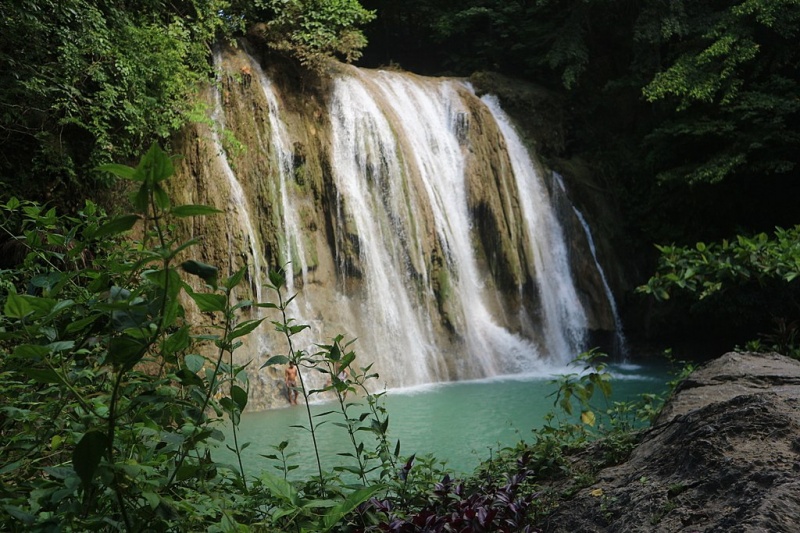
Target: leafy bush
87	82
108	407
111	400
313	30
742	265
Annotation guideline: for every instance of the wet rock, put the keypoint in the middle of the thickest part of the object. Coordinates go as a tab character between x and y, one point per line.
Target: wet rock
723	456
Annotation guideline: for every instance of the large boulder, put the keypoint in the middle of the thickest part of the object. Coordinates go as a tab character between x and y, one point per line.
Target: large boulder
723	456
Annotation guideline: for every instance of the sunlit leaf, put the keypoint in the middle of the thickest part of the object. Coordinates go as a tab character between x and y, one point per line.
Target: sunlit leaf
209	302
244	328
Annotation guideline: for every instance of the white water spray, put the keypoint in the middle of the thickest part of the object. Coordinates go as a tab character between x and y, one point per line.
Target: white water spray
621	342
294	255
564	319
389	130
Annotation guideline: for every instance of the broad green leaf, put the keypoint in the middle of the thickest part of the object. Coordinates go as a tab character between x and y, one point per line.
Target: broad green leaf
335	352
61	305
10	467
186	471
243	304
194	362
177	342
188	378
239	396
235	279
319	504
347	359
61	346
209	303
277	279
19	514
297	329
87	455
244	328
16	306
125	351
42	375
31	350
116	226
161	197
82	323
193	210
280	488
276	360
152	498
156	165
141	199
207	273
123	171
353	500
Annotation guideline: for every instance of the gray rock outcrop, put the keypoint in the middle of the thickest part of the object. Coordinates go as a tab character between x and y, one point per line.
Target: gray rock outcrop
723	456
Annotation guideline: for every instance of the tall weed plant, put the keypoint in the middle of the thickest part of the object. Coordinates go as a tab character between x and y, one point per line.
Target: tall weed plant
112	401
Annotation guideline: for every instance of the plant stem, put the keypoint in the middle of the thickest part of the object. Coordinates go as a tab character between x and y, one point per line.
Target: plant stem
234	422
293	357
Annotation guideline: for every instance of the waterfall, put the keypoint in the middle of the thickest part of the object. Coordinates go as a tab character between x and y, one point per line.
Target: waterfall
369	113
565	321
237	202
293	251
421	227
621	343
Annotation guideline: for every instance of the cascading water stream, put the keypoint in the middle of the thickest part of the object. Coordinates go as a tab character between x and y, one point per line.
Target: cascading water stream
430	115
564	319
367	173
621	347
387	129
294	256
237	203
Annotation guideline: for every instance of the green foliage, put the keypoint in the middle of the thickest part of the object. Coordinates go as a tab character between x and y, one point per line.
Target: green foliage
108	410
314	30
740	265
706	269
85	82
733	84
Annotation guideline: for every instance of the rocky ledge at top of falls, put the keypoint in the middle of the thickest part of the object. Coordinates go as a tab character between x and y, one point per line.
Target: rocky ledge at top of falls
723	456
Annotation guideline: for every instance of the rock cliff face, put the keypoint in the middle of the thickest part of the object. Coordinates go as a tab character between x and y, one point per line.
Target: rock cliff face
723	456
394	204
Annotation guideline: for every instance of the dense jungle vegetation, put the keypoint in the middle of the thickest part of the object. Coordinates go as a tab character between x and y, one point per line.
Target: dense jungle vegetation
685	112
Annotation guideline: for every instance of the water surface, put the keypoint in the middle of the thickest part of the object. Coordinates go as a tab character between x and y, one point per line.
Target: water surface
461	423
